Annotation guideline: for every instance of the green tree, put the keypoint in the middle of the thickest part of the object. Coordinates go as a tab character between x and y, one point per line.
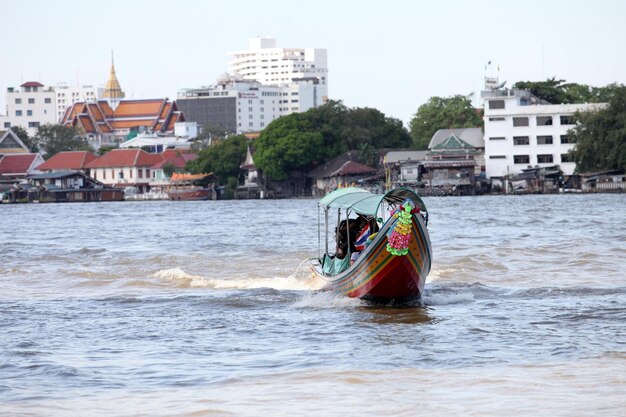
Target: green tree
302	141
56	138
168	169
560	92
223	159
442	113
288	144
21	133
600	135
104	149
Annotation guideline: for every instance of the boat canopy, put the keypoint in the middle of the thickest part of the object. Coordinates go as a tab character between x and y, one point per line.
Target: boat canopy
176	176
366	203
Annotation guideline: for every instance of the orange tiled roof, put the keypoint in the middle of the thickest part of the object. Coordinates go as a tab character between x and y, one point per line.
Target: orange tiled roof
125	158
158	114
67	160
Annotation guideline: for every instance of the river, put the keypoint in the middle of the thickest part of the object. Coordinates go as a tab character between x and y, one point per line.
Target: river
162	308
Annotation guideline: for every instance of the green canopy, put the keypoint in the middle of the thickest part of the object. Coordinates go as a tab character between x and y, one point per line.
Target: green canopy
367	203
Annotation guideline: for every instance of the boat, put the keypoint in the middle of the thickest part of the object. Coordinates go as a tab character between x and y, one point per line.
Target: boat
392	264
191	187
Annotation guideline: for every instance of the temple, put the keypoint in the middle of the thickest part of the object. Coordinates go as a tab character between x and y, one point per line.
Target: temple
112	119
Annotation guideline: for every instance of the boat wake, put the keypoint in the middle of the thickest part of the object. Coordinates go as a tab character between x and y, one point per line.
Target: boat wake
295	282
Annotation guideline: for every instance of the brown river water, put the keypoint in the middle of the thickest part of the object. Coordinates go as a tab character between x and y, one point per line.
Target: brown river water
164	308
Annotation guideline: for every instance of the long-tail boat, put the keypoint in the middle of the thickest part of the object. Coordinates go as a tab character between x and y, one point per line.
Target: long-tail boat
388	259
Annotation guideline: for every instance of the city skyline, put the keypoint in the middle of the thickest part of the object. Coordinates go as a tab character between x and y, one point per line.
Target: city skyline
391	58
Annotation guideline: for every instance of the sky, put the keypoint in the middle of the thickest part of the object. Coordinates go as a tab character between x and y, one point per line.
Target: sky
389	55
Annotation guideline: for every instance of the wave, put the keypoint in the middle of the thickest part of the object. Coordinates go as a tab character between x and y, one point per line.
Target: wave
292	282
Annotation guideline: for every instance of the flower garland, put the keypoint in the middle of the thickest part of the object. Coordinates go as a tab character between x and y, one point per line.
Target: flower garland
398	240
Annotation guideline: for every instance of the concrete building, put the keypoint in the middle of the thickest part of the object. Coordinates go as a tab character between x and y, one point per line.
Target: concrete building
268	64
237	106
30	106
34	104
67	95
522	131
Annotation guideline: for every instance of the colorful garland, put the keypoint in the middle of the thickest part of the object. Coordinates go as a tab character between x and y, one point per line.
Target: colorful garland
398	240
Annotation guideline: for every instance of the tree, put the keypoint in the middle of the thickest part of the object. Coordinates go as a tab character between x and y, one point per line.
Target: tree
104	149
600	135
21	133
560	92
288	144
223	159
169	169
302	141
59	138
442	113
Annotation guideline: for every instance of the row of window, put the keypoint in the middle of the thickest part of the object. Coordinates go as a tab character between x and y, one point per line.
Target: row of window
46	100
541	139
541	158
522	121
120	174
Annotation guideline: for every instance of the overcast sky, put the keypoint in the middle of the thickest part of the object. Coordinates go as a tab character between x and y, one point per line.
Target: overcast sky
389	55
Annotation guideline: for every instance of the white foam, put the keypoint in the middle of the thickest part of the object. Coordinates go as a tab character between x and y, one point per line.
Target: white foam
292	282
430	299
327	299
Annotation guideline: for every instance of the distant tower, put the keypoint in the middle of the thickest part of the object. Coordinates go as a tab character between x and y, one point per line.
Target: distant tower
113	92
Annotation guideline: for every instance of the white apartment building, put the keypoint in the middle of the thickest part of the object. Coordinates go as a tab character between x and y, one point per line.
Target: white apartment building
270	65
29	106
68	95
34	104
240	106
522	132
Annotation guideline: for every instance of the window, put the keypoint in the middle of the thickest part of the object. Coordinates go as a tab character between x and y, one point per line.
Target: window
545	159
567	120
521	159
565	157
497	156
139	173
18	112
497	119
496	104
29	112
498	138
544	140
47	100
147	172
104	174
520	121
7	124
544	120
250	116
18	101
564	139
31	101
33	124
521	140
250	109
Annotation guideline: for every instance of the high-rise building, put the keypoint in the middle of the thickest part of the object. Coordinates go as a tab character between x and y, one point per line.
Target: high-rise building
270	65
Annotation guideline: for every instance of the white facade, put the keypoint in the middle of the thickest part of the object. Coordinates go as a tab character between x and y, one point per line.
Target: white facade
34	104
68	95
270	65
29	106
521	132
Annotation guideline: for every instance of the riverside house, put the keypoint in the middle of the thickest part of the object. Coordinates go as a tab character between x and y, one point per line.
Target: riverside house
125	168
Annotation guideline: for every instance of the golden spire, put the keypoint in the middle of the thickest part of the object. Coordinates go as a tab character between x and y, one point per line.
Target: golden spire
113	92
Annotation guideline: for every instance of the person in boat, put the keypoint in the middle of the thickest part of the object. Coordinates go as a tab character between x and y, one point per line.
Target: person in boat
367	229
